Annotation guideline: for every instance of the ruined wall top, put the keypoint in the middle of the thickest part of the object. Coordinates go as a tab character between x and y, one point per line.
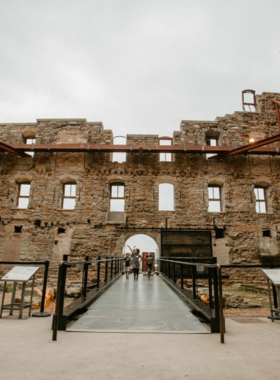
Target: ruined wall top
56	131
234	129
237	128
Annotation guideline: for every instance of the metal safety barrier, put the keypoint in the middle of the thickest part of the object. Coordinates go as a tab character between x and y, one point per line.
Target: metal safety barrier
213	311
111	268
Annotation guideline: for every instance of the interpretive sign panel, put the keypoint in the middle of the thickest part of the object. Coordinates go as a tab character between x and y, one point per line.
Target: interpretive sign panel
20	273
273	275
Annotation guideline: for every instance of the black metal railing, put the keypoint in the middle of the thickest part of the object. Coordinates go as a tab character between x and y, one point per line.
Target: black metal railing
111	268
203	269
46	264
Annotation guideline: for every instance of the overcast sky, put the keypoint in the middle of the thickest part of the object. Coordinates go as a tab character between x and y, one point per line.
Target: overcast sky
138	66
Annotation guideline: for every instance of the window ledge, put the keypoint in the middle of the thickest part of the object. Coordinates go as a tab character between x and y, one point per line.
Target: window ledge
20	209
65	209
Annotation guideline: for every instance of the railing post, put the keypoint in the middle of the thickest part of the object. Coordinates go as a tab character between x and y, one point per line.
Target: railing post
174	273
98	271
111	268
221	314
215	322
57	318
47	263
85	279
119	265
115	267
106	270
216	294
210	278
274	293
210	274
181	276
168	269
194	281
42	313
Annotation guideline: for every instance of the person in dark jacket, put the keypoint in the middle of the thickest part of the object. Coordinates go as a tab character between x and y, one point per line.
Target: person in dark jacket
136	259
127	265
150	264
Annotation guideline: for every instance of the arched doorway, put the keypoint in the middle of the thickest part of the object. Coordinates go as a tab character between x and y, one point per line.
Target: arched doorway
143	242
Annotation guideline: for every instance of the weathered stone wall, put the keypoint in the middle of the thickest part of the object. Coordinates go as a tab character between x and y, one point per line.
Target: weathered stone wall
87	228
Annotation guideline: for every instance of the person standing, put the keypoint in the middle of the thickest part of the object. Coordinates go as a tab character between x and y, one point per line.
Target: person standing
149	262
127	265
136	259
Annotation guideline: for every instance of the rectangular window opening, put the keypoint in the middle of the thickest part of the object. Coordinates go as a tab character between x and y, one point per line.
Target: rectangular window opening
117	202
119	156
23	197
165	157
266	233
211	141
214	198
30	141
166	197
69	196
17	229
260	200
219	233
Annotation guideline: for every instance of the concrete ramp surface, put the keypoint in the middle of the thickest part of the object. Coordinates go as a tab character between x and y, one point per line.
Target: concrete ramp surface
143	306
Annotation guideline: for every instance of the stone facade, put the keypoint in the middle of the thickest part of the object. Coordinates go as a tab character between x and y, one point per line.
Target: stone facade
47	231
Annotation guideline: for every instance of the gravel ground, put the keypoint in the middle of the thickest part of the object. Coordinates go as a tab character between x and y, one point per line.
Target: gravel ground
262	312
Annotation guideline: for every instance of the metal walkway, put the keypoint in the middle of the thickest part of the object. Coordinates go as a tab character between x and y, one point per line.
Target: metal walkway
143	306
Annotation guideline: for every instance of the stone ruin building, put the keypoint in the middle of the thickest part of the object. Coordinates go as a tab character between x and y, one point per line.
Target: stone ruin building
209	189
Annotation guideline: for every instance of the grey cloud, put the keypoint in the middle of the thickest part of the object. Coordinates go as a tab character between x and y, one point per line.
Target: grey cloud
135	66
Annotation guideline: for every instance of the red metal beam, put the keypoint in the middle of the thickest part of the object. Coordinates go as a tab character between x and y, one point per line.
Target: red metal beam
133	148
107	148
248	147
11	149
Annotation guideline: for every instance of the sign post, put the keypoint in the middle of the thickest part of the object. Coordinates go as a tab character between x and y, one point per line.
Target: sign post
273	277
15	275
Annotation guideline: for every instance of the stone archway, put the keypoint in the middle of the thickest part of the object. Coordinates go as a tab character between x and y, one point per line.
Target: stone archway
142	241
